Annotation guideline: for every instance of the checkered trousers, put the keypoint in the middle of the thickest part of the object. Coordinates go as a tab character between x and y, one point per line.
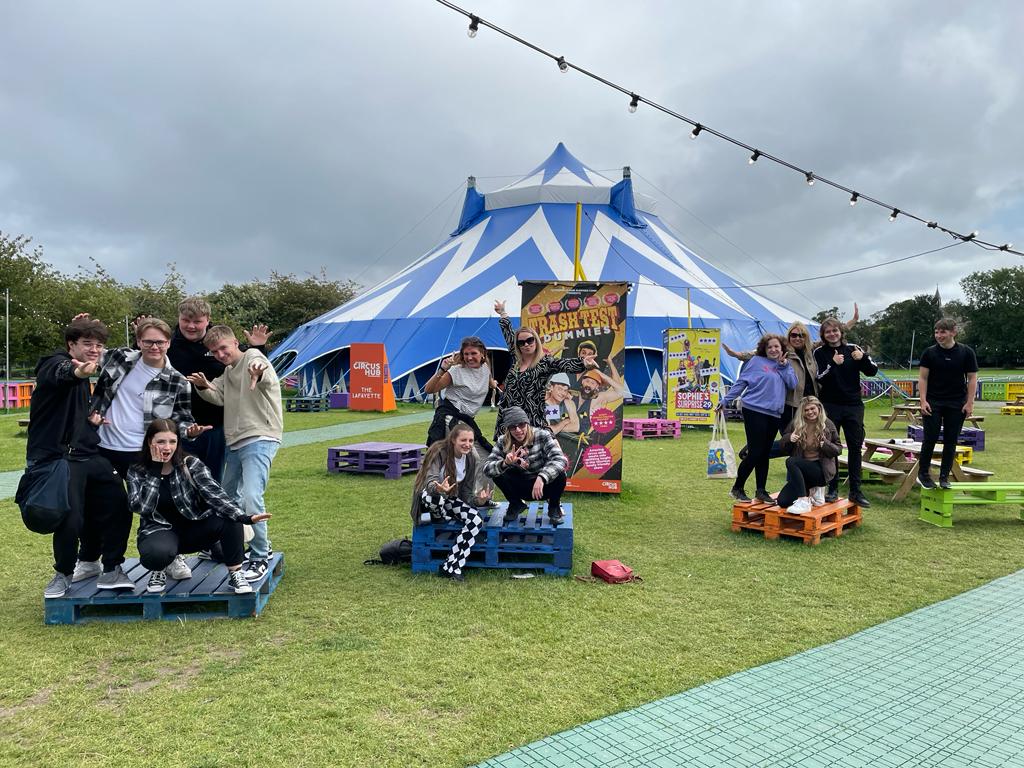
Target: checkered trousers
454	508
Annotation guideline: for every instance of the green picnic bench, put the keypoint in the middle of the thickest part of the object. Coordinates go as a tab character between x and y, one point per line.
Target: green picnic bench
937	504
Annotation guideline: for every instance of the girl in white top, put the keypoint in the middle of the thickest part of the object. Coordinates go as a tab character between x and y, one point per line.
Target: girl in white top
464	379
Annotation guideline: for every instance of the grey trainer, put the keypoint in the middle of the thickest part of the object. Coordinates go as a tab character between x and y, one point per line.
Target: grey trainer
86	569
115	579
58	586
178	569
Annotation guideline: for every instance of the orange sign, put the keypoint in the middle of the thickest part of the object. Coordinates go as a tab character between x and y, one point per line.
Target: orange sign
369	380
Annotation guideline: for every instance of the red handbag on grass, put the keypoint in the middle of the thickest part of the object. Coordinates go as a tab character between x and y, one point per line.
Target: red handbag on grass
612	571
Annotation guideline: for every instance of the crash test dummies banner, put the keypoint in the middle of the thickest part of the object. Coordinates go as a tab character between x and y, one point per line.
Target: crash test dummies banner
691	374
588	320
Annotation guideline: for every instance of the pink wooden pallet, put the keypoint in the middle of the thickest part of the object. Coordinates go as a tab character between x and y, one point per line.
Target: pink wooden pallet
640	429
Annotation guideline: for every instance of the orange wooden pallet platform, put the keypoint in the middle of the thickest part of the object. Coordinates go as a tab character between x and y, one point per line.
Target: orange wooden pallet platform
826	521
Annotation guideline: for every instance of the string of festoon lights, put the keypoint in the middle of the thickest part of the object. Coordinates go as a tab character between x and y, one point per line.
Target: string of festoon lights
698	129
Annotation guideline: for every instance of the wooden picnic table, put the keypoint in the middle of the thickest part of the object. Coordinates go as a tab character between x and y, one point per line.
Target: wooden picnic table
908	412
898	460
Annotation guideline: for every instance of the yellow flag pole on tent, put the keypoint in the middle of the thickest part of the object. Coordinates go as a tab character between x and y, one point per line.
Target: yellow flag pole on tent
577	270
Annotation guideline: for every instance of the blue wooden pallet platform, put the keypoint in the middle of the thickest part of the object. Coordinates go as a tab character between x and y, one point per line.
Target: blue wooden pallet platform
205	596
529	542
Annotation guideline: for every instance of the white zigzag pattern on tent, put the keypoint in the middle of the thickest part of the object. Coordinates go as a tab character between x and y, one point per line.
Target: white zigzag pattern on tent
456	274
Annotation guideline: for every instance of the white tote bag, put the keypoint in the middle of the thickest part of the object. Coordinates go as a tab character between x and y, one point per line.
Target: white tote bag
721	458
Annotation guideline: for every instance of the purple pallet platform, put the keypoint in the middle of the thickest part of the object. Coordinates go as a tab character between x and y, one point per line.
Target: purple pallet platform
969	436
338	399
391	459
643	428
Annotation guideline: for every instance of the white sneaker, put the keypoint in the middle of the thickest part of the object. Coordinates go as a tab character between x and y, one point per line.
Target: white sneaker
818	496
86	569
800	507
178	569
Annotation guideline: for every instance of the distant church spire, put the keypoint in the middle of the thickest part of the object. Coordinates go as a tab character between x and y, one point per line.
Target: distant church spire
937	298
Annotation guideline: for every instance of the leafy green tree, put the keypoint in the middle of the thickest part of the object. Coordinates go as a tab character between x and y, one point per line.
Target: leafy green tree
905	322
35	323
995	311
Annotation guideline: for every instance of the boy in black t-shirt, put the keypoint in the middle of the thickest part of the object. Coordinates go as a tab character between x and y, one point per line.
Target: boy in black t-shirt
947	381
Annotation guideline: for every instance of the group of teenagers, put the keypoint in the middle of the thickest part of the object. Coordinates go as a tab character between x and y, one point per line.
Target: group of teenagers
194	469
807	393
525	461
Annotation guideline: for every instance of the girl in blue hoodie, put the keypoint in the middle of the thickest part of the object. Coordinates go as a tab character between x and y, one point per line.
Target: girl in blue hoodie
763	383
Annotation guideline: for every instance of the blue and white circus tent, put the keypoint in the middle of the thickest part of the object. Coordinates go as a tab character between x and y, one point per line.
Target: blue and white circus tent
526	231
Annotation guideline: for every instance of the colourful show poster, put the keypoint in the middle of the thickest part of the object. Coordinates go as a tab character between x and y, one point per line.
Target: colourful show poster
584	319
691	374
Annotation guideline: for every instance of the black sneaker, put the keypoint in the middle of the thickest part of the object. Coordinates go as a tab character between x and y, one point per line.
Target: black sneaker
513	512
157	582
860	499
256	570
740	495
926	482
555	515
831	496
239	583
944	484
444	573
763	496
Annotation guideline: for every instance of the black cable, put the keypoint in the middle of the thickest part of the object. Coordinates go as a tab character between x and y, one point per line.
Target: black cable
636	98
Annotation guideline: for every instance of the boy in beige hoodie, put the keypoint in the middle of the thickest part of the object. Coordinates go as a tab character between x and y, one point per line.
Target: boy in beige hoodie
250	393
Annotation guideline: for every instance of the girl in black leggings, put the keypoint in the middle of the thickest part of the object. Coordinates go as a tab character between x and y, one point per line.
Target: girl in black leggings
763	382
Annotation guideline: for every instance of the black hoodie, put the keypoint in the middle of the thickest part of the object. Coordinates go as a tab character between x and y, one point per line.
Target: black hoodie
59	411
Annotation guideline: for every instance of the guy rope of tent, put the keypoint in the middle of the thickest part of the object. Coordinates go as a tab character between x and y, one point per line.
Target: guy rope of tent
635	99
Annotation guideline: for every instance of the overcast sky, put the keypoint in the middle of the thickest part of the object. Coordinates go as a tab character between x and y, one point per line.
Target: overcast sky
234	138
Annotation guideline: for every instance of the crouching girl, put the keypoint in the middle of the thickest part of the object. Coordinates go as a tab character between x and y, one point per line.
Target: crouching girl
182	509
446	487
813	444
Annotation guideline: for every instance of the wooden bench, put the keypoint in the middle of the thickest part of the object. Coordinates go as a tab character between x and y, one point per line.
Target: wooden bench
1012	410
883	473
306	404
23	423
639	429
390	459
937	504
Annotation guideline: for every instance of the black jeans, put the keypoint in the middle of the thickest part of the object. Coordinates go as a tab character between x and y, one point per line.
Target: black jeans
760	429
118	517
849	419
949	418
787	416
517	486
158	549
445	416
99	511
801	474
209	448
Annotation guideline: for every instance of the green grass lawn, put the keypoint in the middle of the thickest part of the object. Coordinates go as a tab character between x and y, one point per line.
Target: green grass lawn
353	666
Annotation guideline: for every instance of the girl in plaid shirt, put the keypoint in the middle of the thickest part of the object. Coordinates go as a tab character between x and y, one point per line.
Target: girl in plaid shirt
527	462
183	509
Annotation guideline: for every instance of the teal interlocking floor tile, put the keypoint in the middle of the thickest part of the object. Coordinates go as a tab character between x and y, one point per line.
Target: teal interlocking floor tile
942	686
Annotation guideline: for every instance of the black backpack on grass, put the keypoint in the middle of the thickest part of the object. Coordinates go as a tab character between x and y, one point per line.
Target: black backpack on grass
395	552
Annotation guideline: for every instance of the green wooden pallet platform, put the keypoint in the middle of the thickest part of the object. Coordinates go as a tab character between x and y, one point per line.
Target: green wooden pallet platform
937	504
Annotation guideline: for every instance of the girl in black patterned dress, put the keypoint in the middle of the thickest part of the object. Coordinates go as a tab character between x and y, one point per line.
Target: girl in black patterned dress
528	376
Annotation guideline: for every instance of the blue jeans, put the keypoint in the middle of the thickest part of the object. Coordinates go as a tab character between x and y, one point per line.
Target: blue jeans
246	471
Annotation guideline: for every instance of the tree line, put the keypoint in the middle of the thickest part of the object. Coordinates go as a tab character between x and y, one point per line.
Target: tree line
43	301
990	321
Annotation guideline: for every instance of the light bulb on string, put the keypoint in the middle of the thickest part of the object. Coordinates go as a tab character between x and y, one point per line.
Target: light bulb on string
854	198
634	102
895	213
1006	246
968	238
753	157
562	66
810	178
474	26
696	131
